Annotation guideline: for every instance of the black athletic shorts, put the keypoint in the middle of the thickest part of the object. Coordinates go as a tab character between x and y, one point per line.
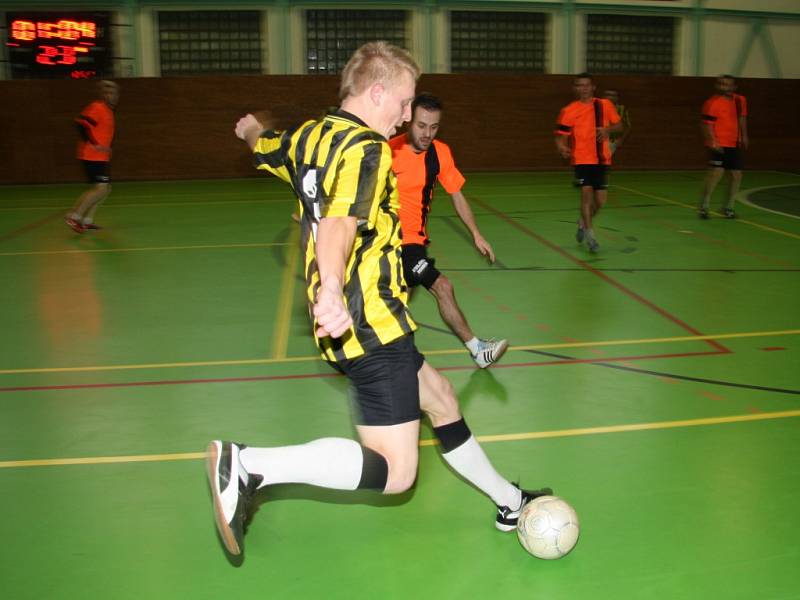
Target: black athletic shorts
385	383
591	176
96	171
729	159
418	269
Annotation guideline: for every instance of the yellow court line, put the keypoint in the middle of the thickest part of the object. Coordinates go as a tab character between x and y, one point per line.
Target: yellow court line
146	249
291	359
283	316
675	202
511	437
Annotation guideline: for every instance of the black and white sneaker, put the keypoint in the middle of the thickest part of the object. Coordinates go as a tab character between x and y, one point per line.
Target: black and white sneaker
729	213
507	518
229	491
489	352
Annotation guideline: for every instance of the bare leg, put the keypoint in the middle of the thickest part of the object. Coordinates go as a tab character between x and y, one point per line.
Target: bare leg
399	444
443	291
587	207
89	200
438	400
736	181
712	179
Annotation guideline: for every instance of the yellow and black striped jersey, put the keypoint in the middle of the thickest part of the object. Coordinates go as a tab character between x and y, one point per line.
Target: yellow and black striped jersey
339	167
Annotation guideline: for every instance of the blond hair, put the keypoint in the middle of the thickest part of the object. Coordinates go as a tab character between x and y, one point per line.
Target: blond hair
375	62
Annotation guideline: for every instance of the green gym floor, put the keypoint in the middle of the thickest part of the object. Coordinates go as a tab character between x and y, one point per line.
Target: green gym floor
653	385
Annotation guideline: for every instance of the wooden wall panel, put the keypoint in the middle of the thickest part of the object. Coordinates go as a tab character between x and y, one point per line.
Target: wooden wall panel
182	128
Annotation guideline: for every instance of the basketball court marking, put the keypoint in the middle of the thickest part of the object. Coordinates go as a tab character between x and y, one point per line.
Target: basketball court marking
146	249
486	439
291	359
689	206
744	198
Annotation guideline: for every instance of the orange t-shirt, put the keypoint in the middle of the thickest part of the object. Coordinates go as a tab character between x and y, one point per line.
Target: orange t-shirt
97	121
417	173
722	114
580	121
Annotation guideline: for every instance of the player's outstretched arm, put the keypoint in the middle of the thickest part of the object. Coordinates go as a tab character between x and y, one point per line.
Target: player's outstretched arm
248	129
335	236
465	214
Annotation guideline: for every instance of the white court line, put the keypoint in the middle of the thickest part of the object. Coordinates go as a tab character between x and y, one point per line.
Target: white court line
744	198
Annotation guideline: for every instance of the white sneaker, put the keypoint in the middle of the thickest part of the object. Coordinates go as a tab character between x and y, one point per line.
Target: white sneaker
489	352
228	491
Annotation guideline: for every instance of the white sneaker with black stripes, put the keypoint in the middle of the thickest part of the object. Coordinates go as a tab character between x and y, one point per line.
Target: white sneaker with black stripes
507	518
229	492
489	352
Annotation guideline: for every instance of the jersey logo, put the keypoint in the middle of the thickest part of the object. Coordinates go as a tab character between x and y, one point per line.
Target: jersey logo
310	184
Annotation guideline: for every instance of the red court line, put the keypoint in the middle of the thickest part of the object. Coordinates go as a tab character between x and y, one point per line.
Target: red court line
30	226
82	386
600	274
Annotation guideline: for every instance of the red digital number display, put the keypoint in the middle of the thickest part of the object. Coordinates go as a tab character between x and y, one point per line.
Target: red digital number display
69	45
28	31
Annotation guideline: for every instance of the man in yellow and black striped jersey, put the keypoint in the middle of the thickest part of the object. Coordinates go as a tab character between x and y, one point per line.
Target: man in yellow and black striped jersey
340	168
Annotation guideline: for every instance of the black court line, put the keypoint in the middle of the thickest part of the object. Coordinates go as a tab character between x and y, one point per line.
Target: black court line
571	209
629	270
747	386
600	274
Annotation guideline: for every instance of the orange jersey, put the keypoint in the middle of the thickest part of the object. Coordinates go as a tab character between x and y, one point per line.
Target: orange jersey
580	120
417	173
722	114
97	124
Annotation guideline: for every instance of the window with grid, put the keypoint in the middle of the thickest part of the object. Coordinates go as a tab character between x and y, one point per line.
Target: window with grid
333	35
209	42
628	44
497	41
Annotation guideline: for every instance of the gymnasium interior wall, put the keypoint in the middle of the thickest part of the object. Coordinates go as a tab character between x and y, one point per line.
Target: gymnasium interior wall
182	128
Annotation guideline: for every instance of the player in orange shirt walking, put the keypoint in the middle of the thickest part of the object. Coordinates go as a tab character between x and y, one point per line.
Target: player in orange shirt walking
725	132
96	127
419	160
582	133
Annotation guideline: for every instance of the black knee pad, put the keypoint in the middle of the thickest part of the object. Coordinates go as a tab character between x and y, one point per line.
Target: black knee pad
374	471
452	435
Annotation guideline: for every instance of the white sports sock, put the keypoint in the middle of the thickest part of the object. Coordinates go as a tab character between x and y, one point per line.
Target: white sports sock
334	463
473	345
470	461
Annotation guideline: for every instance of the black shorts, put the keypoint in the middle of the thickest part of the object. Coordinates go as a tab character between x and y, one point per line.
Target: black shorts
385	383
96	171
729	159
418	269
594	176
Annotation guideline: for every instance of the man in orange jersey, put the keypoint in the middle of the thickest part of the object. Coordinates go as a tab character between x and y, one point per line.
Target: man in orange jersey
725	132
582	134
419	160
96	127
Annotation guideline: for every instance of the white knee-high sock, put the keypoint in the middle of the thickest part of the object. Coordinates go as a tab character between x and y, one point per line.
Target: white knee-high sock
470	461
327	462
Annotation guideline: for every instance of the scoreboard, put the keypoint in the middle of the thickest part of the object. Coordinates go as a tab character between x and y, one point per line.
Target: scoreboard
50	45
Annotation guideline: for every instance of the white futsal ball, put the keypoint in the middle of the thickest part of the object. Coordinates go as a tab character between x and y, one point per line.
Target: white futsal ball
548	527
